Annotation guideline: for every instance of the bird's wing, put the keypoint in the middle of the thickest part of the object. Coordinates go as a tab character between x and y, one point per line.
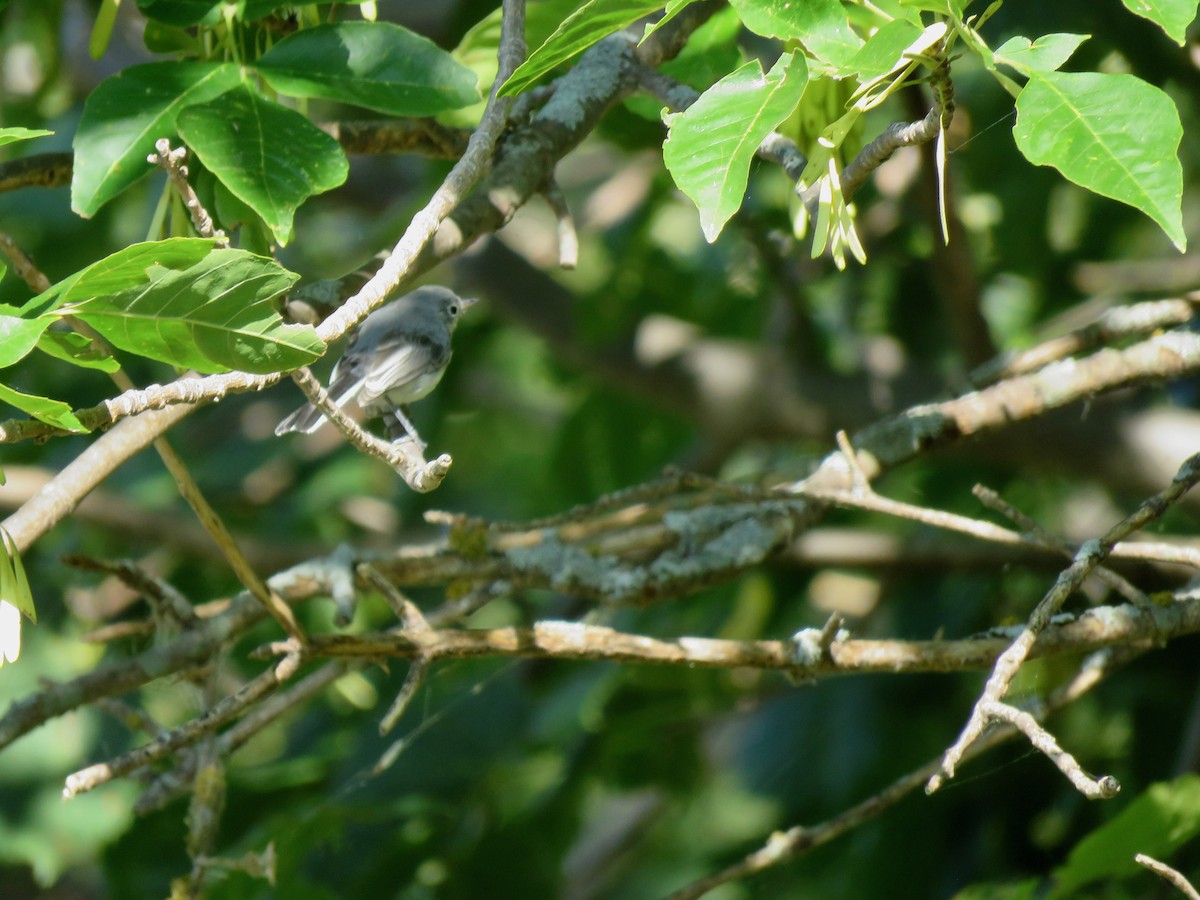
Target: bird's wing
396	362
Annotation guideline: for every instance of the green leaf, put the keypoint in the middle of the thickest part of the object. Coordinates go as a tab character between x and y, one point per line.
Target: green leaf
820	25
952	8
18	336
126	114
710	53
20	595
673	8
52	412
710	145
124	269
212	316
77	350
1115	135
236	132
1157	823
161	38
12	135
879	55
182	13
477	49
376	65
589	24
1172	16
1046	54
106	16
1022	890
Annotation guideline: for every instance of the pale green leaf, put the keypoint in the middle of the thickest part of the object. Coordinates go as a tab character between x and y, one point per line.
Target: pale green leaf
1046	54
879	55
12	135
124	269
478	48
710	145
212	316
18	336
1172	16
590	23
820	25
126	114
77	350
52	412
1115	135
674	8
21	596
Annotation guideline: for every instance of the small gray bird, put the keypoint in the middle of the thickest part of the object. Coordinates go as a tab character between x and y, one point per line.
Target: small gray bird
396	356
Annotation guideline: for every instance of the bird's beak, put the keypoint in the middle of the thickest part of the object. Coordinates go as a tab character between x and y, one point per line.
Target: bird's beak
468	302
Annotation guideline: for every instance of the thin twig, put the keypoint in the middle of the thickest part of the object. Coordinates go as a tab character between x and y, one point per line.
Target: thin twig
93	776
209	518
399	263
23	265
992	500
1164	871
1112	325
164	599
833	653
174	163
1090	555
403	456
568	240
798	840
170	785
417	671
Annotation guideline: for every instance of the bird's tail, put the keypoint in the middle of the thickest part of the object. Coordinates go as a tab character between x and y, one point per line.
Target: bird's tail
306	419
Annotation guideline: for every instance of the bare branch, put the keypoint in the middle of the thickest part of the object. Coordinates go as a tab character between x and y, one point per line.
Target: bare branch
1112	325
205	724
1090	555
174	163
835	654
403	456
798	840
23	265
1166	872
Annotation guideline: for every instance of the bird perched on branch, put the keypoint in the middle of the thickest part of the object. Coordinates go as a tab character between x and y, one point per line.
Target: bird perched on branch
397	356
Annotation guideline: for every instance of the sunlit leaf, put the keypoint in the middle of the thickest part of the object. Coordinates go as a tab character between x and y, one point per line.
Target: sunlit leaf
711	144
12	135
52	412
126	114
20	597
212	316
1046	54
18	336
125	268
1115	135
590	23
1172	16
820	25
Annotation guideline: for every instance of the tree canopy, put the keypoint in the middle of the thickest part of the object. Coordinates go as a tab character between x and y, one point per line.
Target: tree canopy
811	483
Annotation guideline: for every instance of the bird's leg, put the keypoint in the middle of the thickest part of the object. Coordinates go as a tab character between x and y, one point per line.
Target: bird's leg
399	427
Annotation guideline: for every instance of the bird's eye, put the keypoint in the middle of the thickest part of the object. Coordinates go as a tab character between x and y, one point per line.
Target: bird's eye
454	309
